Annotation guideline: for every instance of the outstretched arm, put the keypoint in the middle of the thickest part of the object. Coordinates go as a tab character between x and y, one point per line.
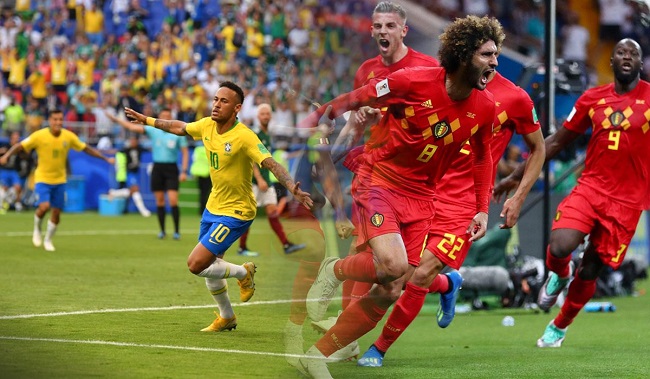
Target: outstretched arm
137	128
285	179
16	148
533	166
170	126
553	144
95	153
332	189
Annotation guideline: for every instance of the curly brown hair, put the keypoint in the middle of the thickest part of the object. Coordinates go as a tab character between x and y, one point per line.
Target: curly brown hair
464	36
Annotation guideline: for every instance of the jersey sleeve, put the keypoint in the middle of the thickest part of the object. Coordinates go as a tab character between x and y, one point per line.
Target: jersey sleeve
526	120
194	129
255	148
482	161
30	142
76	143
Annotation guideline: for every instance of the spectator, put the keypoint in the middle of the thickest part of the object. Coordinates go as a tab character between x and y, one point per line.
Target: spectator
14	118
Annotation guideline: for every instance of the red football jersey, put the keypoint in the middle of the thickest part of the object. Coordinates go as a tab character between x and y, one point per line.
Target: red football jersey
514	113
427	129
618	153
374	69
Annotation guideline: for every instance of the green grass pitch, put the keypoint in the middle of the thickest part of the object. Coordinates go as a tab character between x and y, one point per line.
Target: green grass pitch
115	302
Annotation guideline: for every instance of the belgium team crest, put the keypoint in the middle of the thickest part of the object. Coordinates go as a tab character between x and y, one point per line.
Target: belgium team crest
377	219
616	118
441	129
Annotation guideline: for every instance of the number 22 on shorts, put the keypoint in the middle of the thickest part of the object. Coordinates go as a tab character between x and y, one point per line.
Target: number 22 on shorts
450	244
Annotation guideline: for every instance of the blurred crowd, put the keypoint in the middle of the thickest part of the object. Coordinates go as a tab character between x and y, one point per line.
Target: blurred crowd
93	57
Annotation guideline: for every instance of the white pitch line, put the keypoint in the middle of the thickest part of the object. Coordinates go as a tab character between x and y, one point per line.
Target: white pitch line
149	309
154	346
87	233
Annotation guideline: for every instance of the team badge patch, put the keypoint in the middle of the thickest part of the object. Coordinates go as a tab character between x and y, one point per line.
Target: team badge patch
377	219
616	118
441	129
558	215
228	147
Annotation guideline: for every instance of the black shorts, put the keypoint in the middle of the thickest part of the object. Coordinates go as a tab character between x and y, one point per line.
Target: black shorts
164	177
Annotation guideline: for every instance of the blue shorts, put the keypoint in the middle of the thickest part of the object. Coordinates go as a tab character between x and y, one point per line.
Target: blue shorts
132	179
10	178
218	233
50	193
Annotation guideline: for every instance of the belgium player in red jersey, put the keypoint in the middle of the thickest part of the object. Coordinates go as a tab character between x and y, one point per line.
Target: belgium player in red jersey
611	192
431	113
448	242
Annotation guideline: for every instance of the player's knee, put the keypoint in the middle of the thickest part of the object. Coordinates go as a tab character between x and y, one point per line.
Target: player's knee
194	267
391	272
560	248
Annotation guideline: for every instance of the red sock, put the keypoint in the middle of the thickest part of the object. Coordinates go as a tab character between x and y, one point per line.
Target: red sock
242	239
359	318
346	289
404	312
360	290
359	267
277	228
440	284
307	272
580	291
560	266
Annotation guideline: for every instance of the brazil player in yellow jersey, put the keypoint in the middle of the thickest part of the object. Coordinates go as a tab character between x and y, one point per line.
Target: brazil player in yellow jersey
52	146
232	149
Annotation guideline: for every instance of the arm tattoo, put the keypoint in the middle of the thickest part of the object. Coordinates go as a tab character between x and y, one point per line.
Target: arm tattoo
280	173
165	125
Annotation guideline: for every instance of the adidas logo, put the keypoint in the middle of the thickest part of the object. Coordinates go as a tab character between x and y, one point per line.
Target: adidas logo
427	104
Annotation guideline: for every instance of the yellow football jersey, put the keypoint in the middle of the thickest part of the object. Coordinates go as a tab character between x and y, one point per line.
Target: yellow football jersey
52	154
231	156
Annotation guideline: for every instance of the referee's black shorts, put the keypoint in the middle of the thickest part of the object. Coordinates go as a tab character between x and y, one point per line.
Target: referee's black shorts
164	177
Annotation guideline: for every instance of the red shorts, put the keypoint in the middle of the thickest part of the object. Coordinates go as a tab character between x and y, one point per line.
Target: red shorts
610	225
448	238
381	211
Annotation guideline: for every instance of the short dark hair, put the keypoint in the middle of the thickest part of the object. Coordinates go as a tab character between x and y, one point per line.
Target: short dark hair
234	87
55	111
464	36
390	7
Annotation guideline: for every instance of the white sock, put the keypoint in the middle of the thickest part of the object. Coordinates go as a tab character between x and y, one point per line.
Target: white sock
221	269
123	193
219	290
38	223
51	229
139	203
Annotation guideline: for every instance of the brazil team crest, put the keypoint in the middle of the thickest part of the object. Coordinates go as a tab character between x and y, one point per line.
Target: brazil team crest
441	129
377	219
228	147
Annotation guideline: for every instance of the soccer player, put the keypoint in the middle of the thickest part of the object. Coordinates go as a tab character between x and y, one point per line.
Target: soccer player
165	176
127	172
611	192
264	193
12	175
431	113
232	149
52	146
447	243
388	30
